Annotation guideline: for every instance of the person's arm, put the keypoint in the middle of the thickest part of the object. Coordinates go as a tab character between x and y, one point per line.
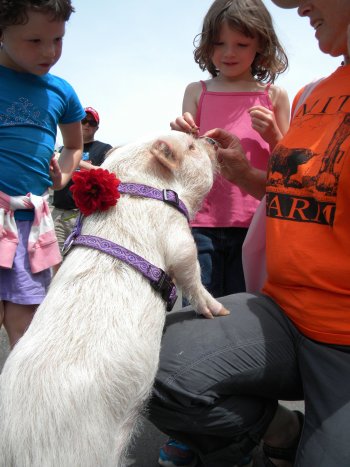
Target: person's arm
272	125
234	165
97	156
281	109
70	155
86	165
186	122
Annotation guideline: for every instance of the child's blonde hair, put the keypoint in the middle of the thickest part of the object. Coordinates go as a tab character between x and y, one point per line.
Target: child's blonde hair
251	18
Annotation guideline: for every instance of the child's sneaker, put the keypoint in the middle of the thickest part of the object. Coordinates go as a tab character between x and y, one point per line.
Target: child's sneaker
176	454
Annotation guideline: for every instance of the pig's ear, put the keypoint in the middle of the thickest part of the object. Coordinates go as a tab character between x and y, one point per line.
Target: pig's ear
165	154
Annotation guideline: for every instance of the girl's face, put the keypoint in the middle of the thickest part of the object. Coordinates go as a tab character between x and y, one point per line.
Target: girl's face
330	19
234	53
33	47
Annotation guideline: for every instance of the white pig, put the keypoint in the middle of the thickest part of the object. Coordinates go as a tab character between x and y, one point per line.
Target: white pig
74	385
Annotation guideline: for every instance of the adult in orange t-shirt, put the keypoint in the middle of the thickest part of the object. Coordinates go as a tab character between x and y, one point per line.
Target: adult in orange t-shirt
219	380
308	194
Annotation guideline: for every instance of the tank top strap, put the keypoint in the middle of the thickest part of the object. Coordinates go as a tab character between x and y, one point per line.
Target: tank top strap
267	88
199	107
267	96
204	86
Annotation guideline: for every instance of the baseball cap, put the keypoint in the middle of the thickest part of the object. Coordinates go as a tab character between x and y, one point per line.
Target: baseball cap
94	113
286	3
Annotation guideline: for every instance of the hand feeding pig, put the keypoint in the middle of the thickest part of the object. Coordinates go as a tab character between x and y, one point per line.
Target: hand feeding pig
74	385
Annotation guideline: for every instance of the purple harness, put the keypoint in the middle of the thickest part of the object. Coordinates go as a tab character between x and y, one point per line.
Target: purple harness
159	280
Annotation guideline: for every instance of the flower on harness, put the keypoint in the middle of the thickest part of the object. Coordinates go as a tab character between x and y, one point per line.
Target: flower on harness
95	189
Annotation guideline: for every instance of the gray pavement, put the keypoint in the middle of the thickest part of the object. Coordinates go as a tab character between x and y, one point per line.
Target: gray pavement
145	448
4	347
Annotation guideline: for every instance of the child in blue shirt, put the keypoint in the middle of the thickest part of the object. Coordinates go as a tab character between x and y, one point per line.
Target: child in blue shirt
32	103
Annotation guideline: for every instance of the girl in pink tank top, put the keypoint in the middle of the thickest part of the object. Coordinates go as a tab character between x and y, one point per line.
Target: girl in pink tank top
240	50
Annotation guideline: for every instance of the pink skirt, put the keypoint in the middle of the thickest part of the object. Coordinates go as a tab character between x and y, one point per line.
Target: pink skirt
19	284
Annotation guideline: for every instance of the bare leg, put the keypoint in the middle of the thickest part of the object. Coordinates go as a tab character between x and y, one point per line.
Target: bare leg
55	268
16	320
283	432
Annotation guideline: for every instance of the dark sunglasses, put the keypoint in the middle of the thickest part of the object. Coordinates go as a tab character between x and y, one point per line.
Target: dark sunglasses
92	123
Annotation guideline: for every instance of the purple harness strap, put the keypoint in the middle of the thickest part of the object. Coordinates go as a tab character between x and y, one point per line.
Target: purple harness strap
168	196
159	280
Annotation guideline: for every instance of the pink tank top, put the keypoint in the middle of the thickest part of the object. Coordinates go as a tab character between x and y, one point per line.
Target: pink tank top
227	205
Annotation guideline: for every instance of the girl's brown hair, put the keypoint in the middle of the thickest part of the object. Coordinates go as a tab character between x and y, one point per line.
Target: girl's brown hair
15	11
251	18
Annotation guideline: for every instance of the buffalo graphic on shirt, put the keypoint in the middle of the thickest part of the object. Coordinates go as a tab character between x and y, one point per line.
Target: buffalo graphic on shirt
303	181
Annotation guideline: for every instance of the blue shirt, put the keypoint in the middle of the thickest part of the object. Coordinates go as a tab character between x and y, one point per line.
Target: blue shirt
30	109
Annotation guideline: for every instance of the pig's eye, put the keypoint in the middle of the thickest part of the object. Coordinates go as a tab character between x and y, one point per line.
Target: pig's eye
211	141
192	147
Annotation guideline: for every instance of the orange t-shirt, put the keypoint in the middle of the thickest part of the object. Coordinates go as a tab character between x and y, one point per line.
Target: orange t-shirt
308	220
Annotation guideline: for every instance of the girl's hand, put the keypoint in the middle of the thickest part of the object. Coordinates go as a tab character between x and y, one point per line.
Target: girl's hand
186	124
55	174
264	122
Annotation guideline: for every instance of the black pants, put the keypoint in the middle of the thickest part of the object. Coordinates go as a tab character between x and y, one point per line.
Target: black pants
220	258
220	380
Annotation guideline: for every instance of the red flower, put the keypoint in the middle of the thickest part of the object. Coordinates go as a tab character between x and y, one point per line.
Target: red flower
95	189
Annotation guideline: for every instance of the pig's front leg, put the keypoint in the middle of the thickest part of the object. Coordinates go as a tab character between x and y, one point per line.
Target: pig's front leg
185	269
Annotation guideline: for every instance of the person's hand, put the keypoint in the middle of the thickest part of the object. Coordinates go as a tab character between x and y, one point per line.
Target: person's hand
86	165
55	174
234	165
186	124
264	122
230	155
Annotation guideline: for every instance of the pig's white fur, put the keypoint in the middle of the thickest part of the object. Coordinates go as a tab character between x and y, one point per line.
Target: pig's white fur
72	388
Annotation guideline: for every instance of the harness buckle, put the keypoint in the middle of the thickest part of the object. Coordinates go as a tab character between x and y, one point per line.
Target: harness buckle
175	201
67	246
72	236
167	289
